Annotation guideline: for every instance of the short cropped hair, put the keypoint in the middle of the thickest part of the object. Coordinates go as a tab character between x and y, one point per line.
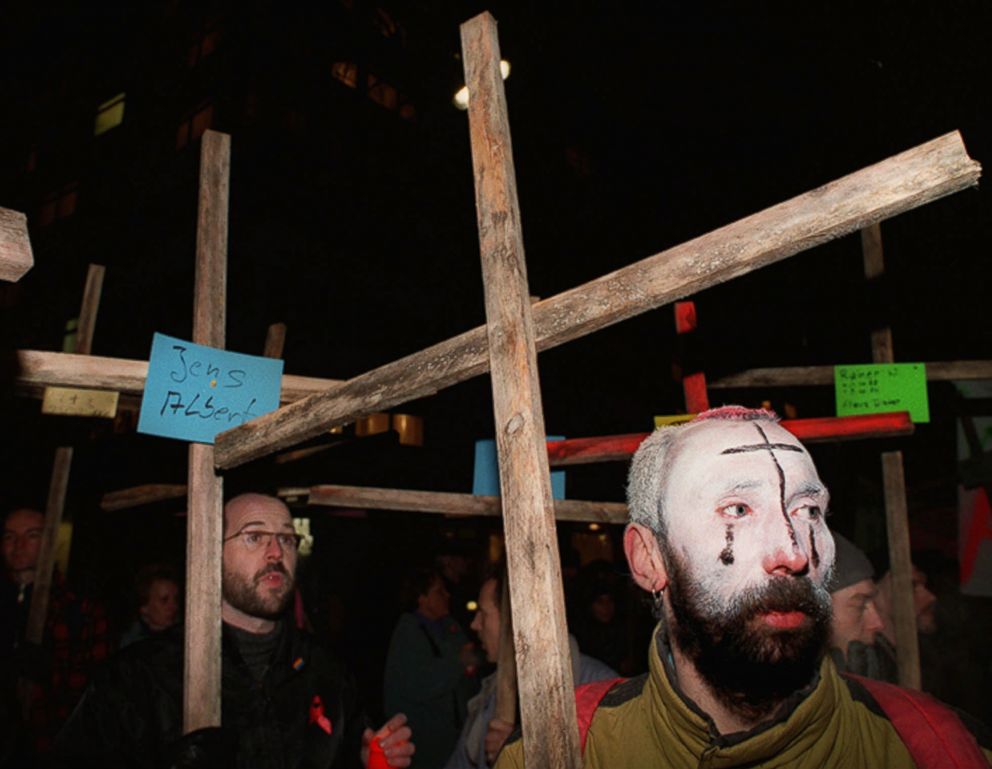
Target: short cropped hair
649	468
417	583
147	576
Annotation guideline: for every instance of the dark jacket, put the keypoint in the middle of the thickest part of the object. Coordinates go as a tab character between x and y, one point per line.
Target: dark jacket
131	715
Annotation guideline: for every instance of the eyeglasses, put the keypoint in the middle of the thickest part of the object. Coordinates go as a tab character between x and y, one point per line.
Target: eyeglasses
255	539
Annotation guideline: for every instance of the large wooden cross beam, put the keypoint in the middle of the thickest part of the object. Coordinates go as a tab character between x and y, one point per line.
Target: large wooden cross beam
204	524
40	369
900	183
805	376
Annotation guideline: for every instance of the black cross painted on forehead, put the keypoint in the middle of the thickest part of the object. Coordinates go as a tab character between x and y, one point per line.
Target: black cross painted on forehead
771	448
766	446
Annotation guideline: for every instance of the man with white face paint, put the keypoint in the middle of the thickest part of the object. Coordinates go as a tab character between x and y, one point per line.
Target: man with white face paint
727	532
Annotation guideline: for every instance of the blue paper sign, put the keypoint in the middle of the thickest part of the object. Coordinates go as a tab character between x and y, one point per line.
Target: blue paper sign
194	392
485	481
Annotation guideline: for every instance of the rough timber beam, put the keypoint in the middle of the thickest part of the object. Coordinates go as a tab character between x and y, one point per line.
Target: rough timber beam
547	702
903	182
204	524
448	503
802	376
40	369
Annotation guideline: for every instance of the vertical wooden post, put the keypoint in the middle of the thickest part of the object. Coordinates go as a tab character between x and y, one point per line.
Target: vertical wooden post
275	340
35	629
204	522
92	292
506	665
894	484
34	632
547	700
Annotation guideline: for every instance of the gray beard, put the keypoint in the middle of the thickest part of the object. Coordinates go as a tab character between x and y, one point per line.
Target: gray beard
245	594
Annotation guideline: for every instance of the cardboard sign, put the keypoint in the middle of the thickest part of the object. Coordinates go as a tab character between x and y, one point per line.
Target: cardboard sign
194	392
879	388
73	401
485	481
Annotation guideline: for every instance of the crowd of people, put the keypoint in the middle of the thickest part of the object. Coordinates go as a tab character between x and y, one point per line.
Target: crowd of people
773	643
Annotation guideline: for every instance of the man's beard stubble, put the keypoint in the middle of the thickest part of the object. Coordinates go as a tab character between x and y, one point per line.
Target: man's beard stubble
750	666
244	595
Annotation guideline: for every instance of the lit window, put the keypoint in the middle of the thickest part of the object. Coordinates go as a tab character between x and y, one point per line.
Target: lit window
109	115
193	127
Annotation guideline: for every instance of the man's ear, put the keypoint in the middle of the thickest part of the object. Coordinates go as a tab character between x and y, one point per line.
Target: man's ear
644	556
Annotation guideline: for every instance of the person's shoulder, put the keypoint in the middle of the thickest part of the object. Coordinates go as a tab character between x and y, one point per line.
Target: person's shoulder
160	653
911	712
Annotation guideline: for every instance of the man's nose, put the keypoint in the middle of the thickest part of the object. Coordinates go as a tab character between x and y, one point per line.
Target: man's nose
873	620
273	550
784	555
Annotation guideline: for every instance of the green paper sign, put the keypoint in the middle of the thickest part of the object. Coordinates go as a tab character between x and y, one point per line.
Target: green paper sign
879	388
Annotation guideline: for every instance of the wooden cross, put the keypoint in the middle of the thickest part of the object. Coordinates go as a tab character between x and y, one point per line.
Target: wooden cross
61	467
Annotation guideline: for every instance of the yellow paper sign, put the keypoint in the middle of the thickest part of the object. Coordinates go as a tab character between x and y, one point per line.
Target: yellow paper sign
673	419
71	401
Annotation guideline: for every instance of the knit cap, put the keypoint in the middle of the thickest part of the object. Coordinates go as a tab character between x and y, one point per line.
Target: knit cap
851	564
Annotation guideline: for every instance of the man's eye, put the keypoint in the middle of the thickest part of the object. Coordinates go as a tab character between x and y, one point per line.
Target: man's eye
737	510
287	540
252	537
813	512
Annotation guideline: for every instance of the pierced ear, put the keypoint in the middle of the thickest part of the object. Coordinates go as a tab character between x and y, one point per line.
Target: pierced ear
644	557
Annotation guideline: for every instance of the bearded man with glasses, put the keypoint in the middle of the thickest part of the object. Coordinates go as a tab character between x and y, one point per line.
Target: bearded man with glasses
284	702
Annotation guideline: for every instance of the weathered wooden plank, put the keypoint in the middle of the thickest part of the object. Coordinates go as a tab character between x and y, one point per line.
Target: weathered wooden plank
124	499
900	562
611	448
547	701
204	523
894	487
900	183
275	340
92	292
16	257
40	369
448	503
801	376
35	629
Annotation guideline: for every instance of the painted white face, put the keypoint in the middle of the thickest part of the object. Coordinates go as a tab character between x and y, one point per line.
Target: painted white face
743	505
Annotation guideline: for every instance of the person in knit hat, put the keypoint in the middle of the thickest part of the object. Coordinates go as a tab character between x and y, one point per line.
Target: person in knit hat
856	619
